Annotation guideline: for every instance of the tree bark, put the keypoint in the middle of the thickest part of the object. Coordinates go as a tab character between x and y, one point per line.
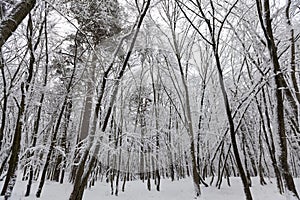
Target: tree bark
5	100
11	22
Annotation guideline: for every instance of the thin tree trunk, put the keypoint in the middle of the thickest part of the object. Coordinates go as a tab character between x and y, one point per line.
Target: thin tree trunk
203	87
214	44
292	54
38	118
232	128
60	161
156	97
53	140
56	128
64	139
5	99
261	154
188	119
224	167
270	142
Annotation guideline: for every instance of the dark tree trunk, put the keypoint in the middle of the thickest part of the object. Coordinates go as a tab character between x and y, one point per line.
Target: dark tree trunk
266	25
260	164
38	118
53	138
266	128
15	149
5	99
52	144
232	128
293	57
14	19
60	161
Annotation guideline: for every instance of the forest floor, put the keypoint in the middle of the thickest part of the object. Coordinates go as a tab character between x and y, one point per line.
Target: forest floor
136	190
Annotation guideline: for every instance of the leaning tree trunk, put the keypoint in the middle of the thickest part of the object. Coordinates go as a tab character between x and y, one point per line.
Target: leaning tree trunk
56	128
10	23
214	43
266	24
187	111
232	128
51	148
5	96
189	126
39	109
266	127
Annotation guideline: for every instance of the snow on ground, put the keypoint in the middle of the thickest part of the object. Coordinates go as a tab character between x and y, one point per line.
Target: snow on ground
136	190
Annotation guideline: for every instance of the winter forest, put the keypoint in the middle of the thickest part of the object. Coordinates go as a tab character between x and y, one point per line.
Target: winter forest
150	99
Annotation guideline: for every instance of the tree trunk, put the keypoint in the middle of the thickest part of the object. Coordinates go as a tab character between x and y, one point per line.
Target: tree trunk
188	119
260	164
292	55
39	111
266	25
266	128
53	141
11	22
5	99
232	129
15	149
53	137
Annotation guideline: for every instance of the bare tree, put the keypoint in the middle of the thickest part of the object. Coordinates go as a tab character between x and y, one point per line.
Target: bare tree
211	20
263	9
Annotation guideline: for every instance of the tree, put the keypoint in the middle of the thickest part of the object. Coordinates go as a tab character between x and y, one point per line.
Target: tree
214	33
181	47
263	9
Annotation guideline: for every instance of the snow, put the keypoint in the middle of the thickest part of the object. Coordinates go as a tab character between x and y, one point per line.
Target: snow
136	190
